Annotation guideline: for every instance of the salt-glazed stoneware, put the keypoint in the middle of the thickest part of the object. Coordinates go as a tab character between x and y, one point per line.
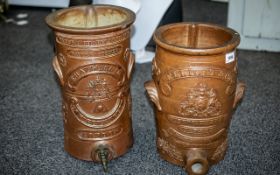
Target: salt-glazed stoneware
94	64
195	91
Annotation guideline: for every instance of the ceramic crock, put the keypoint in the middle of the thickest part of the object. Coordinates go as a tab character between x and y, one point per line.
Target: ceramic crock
94	64
195	91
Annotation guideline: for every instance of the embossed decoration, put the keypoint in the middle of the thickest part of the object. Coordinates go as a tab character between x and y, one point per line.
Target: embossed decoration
169	149
61	60
200	101
181	120
198	130
230	90
94	53
94	62
99	88
101	102
220	151
196	139
186	145
194	91
104	101
155	69
194	72
65	111
92	41
100	134
97	120
112	70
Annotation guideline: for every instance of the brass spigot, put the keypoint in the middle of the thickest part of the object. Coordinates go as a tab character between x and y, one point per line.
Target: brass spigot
103	154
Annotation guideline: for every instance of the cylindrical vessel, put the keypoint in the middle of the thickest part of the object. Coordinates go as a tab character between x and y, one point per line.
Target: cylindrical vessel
94	63
195	90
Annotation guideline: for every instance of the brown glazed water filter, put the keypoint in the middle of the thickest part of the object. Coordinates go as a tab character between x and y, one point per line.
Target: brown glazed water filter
94	63
195	90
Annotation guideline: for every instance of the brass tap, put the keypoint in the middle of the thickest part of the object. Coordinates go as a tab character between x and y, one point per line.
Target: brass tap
103	154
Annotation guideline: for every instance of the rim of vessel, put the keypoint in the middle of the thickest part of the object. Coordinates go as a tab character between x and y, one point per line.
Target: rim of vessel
51	20
225	47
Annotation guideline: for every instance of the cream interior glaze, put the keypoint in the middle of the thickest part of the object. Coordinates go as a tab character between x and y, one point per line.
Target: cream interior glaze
89	17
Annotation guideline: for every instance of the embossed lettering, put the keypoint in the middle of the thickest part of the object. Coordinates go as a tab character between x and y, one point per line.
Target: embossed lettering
170	149
207	72
110	52
98	68
195	139
100	134
100	41
197	121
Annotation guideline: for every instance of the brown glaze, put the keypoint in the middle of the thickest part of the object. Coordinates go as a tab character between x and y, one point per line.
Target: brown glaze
94	64
195	90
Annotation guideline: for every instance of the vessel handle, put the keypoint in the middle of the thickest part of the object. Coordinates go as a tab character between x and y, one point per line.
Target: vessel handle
239	93
130	58
57	69
153	93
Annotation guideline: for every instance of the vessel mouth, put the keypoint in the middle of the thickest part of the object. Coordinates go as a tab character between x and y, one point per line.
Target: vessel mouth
196	38
196	162
92	18
197	168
